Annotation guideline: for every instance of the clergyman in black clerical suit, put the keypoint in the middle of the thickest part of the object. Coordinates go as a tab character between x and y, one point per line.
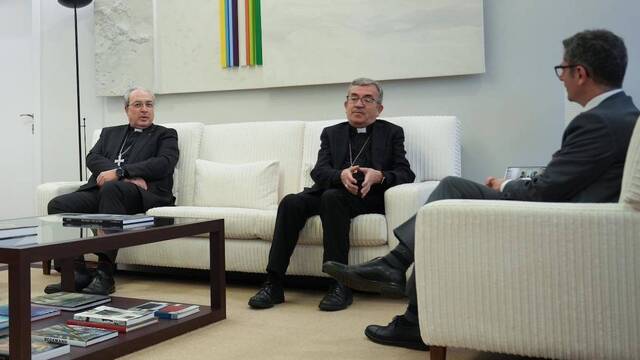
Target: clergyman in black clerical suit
587	168
132	171
357	161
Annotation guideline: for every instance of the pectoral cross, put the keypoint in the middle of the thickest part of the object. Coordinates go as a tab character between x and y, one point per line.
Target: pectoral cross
119	160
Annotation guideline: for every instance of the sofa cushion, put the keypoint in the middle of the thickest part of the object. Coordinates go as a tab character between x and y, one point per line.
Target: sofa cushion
250	185
366	230
258	141
238	223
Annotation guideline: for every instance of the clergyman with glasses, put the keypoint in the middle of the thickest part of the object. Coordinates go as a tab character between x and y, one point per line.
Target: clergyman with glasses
132	171
587	168
358	160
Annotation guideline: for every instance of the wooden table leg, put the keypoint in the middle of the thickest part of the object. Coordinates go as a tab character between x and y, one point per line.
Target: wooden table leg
437	352
46	267
20	309
68	281
217	274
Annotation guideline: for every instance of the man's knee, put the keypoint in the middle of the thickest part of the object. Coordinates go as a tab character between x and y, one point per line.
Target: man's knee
114	189
291	202
331	196
55	206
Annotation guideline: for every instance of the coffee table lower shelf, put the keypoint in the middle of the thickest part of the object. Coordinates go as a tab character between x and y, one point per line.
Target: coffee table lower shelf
135	340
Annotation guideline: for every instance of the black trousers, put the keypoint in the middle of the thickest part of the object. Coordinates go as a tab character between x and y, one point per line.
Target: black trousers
336	208
114	197
450	187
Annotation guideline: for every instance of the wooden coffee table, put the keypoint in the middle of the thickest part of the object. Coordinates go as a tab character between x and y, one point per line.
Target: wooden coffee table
62	242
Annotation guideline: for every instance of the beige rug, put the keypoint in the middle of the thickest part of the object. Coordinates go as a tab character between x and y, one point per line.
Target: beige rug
293	330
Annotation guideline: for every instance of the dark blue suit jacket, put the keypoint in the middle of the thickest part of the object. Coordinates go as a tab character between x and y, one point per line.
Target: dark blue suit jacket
588	167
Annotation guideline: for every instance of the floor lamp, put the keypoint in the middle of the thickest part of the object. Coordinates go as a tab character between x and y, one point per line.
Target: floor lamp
75	5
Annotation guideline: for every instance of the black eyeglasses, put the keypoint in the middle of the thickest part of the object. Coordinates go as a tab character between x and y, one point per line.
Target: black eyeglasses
560	69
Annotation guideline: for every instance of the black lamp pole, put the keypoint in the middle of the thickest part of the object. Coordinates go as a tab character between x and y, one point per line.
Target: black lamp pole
75	4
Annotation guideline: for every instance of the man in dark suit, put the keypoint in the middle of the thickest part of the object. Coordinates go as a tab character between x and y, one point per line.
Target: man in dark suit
357	161
587	168
132	171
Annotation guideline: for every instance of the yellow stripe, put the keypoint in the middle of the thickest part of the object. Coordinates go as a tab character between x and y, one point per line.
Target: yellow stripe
223	38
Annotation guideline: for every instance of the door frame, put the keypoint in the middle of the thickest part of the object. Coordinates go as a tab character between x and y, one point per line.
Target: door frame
36	56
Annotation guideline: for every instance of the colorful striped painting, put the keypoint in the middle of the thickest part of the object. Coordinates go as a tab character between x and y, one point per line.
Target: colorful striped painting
240	33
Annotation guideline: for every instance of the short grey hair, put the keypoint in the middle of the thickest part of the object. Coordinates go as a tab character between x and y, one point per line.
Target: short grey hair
129	91
366	82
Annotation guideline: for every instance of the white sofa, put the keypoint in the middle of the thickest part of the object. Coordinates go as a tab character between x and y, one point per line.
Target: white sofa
551	280
433	150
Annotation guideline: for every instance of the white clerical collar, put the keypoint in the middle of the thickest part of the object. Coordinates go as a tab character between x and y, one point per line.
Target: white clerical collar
361	130
599	99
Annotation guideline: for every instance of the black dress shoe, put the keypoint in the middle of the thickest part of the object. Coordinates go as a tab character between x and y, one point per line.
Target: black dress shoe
102	284
338	297
400	332
373	276
269	295
81	279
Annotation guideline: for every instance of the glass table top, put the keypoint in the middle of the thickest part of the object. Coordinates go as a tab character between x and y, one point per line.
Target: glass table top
34	231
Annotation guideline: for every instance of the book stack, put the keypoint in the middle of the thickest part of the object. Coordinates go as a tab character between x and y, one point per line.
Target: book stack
8	231
106	317
176	311
40	350
70	301
37	312
168	311
73	335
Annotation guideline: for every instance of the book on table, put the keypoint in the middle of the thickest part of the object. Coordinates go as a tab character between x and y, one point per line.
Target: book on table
115	316
40	350
73	335
70	301
7	231
118	328
150	306
4	322
176	311
37	312
106	219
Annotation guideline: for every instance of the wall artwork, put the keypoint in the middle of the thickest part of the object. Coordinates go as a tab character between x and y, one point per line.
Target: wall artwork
214	45
240	33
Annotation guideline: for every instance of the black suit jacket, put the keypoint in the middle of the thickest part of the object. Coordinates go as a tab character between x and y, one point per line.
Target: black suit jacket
152	157
588	167
387	155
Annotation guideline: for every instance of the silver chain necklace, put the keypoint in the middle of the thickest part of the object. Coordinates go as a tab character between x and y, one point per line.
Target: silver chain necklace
352	161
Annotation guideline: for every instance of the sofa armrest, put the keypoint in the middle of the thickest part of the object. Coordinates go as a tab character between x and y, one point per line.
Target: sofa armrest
47	191
402	202
551	280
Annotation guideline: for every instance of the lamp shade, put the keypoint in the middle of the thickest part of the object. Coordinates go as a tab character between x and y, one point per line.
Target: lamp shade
74	3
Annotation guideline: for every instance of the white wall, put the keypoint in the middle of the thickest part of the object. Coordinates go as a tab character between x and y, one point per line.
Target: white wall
513	114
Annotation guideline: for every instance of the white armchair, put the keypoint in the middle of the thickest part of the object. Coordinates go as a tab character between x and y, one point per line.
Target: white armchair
552	280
